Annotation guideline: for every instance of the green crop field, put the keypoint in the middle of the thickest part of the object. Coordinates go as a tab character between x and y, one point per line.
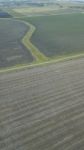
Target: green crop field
12	51
58	35
37	39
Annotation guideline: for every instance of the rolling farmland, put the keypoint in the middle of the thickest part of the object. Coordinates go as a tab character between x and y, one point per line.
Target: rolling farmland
42	108
41	101
58	35
13	52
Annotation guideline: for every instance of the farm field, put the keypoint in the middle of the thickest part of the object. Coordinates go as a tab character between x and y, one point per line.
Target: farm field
42	99
4	14
36	10
46	10
58	35
12	51
43	108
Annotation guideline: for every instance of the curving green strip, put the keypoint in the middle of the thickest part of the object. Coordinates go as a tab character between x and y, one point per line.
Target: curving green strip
39	57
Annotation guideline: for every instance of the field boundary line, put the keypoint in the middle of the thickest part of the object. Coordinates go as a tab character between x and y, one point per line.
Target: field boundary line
52	61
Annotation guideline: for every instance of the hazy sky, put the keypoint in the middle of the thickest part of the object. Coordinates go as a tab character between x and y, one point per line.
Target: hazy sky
37	0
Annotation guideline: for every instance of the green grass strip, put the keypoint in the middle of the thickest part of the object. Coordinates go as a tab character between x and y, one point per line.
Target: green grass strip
39	57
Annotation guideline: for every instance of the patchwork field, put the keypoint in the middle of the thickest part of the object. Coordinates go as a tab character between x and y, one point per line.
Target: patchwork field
58	35
46	37
43	108
12	51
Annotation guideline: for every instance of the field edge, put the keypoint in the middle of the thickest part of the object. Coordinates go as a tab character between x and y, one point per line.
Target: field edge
37	64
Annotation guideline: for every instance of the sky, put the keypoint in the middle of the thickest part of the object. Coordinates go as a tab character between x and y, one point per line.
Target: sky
37	0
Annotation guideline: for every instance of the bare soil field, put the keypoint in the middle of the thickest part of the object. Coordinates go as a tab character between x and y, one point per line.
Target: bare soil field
12	51
42	108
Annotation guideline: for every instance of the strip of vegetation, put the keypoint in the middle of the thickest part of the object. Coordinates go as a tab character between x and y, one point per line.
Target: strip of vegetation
39	57
52	61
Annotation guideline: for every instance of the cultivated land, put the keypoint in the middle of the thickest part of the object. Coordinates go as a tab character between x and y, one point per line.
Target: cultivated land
36	10
12	51
58	35
45	10
4	14
43	108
